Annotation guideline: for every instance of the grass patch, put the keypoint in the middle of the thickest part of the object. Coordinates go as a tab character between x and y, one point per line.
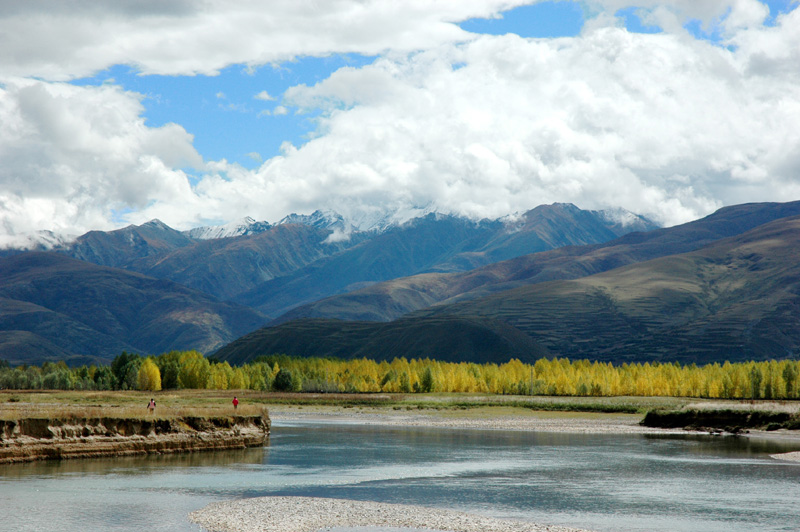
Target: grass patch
118	405
211	403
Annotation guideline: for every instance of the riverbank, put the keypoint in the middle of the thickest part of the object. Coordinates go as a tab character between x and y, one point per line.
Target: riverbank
30	439
306	514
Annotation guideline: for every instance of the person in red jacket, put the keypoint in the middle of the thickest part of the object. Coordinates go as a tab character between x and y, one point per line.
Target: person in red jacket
235	402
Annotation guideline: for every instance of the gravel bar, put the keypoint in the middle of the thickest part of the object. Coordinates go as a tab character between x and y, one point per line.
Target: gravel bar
307	514
564	422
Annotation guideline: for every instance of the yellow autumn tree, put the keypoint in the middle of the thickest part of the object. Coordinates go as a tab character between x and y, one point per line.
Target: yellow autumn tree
149	378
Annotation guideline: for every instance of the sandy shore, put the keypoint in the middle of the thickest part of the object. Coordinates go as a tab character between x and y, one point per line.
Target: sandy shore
304	514
789	457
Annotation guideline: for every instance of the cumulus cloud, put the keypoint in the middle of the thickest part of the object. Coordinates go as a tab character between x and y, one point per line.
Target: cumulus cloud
664	124
75	38
72	155
660	124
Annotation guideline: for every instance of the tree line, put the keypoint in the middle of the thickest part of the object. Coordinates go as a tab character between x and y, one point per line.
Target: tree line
559	376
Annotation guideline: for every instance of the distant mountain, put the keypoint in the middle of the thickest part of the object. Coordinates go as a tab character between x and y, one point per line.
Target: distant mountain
736	298
245	227
56	308
320	220
270	268
394	298
303	258
434	243
229	267
121	247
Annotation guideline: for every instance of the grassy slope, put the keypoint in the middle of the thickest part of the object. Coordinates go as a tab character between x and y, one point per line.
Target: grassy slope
735	300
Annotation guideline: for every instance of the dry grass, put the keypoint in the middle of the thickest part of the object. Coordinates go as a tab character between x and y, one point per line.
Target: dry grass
122	405
212	403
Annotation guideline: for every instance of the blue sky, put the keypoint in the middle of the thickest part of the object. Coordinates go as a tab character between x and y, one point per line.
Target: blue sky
228	122
122	112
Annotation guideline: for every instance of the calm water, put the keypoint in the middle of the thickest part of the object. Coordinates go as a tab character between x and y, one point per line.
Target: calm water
600	482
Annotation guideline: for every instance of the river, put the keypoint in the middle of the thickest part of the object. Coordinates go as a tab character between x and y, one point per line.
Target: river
627	483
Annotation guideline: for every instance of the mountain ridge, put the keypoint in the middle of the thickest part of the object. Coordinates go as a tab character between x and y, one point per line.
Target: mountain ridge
400	296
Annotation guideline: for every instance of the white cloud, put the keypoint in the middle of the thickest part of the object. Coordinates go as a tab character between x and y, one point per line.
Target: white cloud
663	124
77	38
71	155
659	124
264	96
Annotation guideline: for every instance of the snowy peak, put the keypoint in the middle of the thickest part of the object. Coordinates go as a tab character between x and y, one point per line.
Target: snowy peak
625	219
243	227
320	220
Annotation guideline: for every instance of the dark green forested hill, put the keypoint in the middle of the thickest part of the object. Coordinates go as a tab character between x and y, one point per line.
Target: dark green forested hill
445	338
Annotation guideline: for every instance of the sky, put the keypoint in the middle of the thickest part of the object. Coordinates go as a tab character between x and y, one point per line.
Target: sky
204	112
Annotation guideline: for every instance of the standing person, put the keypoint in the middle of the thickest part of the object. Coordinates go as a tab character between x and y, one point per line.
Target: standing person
235	402
152	406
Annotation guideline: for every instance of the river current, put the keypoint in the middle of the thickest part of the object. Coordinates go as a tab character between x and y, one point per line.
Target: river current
627	483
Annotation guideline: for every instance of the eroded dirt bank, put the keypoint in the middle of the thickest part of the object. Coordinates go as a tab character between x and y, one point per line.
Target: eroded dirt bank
31	439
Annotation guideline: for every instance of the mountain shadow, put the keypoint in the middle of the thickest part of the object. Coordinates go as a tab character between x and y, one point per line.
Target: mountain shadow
445	338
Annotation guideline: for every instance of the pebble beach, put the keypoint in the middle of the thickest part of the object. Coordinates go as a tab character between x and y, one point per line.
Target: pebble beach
305	514
490	419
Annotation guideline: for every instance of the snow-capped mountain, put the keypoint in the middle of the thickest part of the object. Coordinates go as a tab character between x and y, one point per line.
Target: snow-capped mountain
626	219
319	219
243	227
364	221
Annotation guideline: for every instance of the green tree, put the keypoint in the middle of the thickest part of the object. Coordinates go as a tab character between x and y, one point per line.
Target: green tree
170	366
103	378
427	382
789	377
287	381
121	367
755	382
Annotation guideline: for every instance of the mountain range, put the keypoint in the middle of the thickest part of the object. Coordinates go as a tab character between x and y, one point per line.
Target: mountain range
151	288
726	287
554	281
